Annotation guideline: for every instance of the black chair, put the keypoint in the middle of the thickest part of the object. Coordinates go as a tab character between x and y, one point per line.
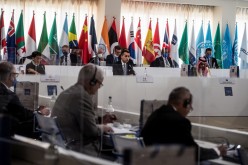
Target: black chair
50	131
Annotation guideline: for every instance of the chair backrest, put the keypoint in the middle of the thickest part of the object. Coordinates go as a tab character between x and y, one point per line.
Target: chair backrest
160	155
50	131
147	107
122	141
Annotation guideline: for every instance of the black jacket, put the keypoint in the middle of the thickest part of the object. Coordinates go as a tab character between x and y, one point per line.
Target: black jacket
118	70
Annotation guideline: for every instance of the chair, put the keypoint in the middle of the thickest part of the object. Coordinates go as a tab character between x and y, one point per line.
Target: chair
50	131
146	109
159	155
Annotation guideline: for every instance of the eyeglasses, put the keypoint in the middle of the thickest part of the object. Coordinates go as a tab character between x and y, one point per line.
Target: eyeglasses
16	74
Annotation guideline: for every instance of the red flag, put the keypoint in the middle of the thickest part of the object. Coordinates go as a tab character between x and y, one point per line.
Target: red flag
122	39
113	38
31	39
156	41
3	44
138	48
83	43
166	42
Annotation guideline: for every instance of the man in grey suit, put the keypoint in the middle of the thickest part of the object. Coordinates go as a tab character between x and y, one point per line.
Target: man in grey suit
74	111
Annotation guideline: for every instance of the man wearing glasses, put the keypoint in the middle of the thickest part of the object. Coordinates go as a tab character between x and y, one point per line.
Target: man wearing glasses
10	104
125	65
74	111
169	125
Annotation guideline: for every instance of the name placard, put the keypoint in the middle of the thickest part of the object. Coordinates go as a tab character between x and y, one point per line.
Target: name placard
49	78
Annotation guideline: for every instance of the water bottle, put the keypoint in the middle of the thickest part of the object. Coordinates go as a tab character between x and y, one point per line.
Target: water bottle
110	108
53	99
145	75
51	155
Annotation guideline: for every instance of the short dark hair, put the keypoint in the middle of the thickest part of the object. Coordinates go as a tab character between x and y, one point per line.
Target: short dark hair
124	51
208	49
117	47
36	53
177	94
65	46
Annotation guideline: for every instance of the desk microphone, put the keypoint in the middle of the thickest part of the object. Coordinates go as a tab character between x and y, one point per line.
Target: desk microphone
62	87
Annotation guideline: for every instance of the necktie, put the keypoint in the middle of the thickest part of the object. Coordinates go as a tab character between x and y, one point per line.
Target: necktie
124	69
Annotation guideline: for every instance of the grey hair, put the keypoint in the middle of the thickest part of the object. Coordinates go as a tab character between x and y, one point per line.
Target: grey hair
177	94
5	70
86	74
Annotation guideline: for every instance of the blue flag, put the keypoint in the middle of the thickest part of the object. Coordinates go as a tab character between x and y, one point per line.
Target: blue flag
200	43
11	45
227	49
93	35
235	48
208	41
64	37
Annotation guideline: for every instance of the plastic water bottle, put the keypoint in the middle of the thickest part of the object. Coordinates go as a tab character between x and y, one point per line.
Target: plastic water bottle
51	155
53	99
145	75
110	106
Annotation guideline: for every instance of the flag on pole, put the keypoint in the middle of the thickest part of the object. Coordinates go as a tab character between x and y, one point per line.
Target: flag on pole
83	42
20	41
138	50
148	49
183	47
156	41
192	49
73	34
227	49
166	44
243	51
174	47
200	43
122	39
217	46
53	43
11	41
208	42
235	47
43	46
64	36
31	38
131	43
3	39
93	38
104	40
113	39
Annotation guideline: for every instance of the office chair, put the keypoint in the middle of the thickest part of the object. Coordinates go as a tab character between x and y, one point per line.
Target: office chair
50	131
146	109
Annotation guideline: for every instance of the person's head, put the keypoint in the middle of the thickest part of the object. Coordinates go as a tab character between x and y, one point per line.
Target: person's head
117	50
91	77
8	73
65	49
181	99
165	52
208	52
202	63
36	56
125	55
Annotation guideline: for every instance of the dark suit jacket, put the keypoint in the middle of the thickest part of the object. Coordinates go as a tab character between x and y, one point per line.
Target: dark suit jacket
118	70
11	105
166	126
212	62
110	60
40	68
159	62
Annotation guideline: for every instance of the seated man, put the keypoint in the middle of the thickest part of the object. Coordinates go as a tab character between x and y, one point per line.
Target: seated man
11	105
212	62
35	66
169	125
65	58
113	58
74	111
162	60
202	69
125	65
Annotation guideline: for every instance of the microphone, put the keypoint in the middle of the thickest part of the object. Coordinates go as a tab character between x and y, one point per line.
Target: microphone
131	69
62	87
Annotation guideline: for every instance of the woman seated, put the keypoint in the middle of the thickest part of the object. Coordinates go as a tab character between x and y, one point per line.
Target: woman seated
202	68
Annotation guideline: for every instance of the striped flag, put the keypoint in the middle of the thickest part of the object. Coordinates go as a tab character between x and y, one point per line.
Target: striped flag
166	42
104	40
31	38
156	41
174	47
192	49
122	39
131	43
93	38
83	42
64	36
11	41
73	34
20	41
3	39
138	49
113	38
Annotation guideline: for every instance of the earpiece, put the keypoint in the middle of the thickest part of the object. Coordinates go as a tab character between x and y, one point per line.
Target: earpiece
187	102
93	81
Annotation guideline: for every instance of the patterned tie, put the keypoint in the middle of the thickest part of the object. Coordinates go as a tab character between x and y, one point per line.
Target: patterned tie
124	69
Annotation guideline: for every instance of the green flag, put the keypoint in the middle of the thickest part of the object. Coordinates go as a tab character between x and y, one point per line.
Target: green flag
183	47
20	41
73	43
217	46
43	44
53	43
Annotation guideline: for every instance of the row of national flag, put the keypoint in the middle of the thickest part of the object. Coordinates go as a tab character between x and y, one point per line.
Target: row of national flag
13	46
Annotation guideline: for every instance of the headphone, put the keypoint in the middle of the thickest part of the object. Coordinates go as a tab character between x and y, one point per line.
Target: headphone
187	102
93	81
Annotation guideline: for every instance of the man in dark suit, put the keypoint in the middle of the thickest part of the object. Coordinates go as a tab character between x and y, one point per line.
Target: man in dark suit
212	62
169	125
125	65
11	105
113	58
